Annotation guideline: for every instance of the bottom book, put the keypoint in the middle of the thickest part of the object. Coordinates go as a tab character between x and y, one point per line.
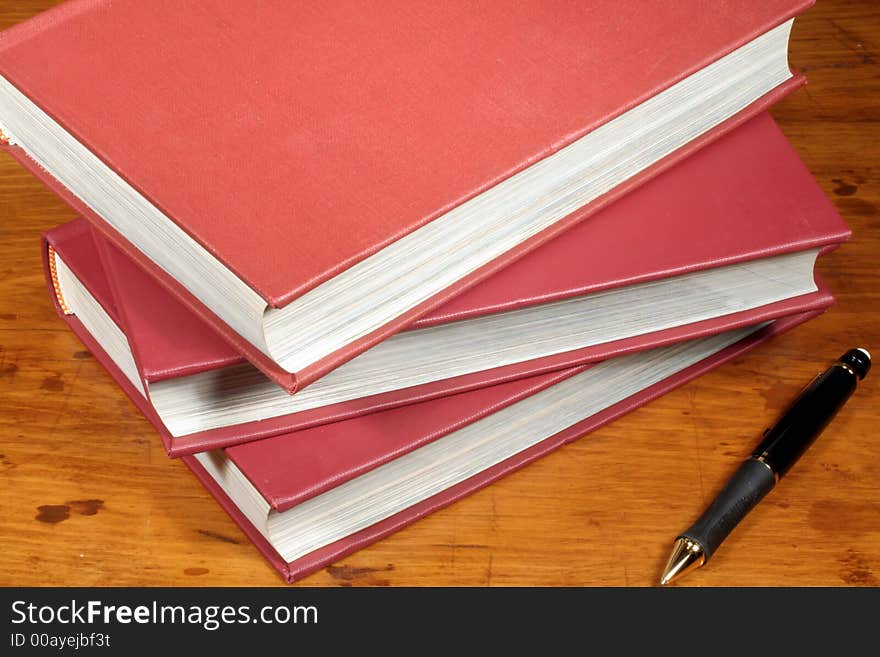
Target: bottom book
309	498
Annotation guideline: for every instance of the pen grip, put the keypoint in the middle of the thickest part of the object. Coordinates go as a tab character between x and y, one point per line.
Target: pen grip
745	489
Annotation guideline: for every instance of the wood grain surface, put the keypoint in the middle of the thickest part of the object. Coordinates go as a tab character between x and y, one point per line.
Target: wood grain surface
90	498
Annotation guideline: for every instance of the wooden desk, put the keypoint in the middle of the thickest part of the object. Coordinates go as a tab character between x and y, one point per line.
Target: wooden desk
89	497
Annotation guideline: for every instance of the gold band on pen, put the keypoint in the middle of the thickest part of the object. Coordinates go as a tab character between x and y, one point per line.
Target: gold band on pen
763	461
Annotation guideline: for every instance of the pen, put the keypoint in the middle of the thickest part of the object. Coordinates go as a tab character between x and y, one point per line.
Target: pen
782	446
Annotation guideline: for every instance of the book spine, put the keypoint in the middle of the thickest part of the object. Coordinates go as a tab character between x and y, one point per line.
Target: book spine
54	284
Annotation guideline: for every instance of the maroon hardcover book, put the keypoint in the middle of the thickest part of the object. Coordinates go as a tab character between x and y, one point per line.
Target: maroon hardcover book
269	163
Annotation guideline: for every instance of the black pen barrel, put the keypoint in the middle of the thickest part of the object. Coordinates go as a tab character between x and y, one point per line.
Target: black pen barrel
801	424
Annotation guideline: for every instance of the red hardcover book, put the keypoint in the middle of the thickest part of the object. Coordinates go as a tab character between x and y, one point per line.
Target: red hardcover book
312	178
309	499
745	199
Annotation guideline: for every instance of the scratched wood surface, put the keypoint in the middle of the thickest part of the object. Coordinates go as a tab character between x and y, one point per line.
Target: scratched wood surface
89	497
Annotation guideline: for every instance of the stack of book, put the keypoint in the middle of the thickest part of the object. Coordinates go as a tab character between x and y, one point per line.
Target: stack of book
354	263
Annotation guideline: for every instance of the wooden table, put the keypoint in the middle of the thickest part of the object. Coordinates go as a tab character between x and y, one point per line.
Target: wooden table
90	498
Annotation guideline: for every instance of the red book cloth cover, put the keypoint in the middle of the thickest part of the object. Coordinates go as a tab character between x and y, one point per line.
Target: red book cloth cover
263	129
746	196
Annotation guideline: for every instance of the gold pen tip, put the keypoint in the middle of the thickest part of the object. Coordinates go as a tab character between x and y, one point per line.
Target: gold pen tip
687	555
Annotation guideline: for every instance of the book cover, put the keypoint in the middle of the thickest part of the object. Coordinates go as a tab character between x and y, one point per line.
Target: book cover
305	185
